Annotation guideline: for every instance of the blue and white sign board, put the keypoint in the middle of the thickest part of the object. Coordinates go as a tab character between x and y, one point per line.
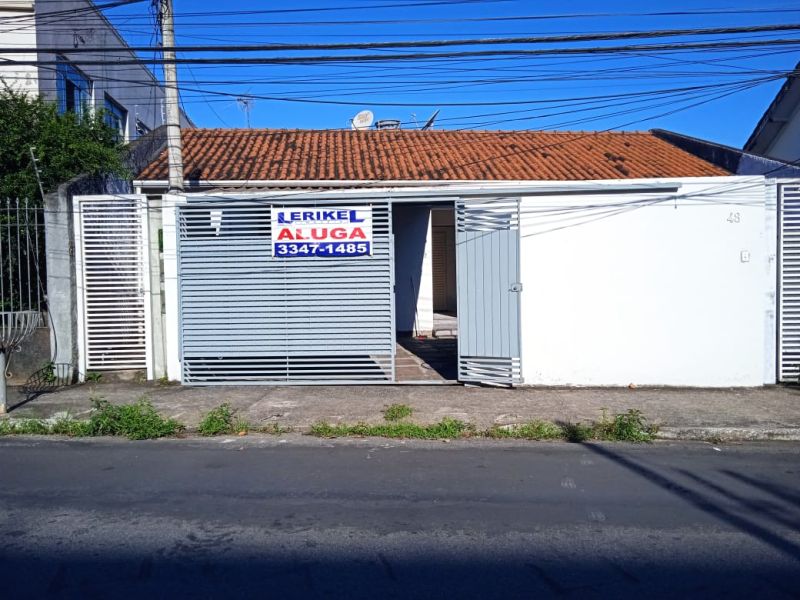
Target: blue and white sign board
337	231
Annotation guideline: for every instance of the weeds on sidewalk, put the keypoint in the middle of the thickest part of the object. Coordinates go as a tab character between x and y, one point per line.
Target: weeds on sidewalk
630	426
444	429
137	421
222	421
397	412
535	430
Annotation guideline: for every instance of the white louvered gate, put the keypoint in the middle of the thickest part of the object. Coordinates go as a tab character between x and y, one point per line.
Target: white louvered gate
789	273
113	278
248	317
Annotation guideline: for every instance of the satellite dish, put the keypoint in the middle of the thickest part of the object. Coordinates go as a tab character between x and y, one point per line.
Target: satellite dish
429	122
362	120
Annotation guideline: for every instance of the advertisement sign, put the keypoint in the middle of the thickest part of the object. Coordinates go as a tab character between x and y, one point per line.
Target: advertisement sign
327	232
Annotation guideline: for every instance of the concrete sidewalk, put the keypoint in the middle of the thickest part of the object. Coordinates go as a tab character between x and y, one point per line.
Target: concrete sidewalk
752	413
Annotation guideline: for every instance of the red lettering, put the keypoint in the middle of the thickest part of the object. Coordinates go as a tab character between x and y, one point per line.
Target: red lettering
357	234
285	234
319	233
338	233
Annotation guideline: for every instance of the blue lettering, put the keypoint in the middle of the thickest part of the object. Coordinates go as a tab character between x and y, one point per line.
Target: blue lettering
286	218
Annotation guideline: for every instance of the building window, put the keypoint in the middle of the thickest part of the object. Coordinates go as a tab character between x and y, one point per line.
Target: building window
116	117
74	89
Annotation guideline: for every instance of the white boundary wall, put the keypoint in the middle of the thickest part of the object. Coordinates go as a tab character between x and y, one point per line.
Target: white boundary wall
652	288
615	293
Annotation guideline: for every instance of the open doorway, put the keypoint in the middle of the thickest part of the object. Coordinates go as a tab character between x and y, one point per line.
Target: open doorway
425	292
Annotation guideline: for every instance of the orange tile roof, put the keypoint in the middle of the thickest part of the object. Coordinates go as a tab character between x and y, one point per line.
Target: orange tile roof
293	154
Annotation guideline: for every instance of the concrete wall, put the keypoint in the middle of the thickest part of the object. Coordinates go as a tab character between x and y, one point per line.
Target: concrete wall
32	355
629	288
62	300
413	275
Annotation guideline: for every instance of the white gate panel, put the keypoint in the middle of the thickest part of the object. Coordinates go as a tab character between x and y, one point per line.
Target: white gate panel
789	273
487	251
248	317
113	283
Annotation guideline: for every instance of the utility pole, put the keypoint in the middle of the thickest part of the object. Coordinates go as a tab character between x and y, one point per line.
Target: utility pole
174	146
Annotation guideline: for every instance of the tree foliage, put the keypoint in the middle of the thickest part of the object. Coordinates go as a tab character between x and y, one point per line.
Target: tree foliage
66	145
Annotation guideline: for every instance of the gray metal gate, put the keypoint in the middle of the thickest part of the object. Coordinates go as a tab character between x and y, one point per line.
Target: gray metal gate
789	280
249	317
487	260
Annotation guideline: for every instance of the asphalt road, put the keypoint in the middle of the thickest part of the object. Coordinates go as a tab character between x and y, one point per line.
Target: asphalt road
266	518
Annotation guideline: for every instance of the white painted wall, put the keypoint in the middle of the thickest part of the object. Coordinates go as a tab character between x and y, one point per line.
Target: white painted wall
413	273
171	322
659	294
19	32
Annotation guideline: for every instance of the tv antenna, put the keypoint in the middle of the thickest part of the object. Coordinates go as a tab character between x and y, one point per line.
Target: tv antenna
362	120
429	122
246	104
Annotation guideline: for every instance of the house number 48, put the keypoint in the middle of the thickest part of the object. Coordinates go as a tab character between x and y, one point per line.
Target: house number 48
734	217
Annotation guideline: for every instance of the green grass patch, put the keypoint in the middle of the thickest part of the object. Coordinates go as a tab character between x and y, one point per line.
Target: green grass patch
577	432
630	426
397	412
222	420
23	427
137	421
535	430
444	429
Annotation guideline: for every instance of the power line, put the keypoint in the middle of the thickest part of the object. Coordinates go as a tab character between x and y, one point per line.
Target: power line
514	102
549	39
370	58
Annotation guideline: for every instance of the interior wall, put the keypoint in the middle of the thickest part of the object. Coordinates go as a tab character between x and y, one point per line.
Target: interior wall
413	276
443	262
673	292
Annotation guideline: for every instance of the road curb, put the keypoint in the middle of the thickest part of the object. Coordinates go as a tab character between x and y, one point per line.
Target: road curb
730	434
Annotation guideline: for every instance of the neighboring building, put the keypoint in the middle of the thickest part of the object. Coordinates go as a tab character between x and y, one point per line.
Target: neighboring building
564	258
777	134
130	94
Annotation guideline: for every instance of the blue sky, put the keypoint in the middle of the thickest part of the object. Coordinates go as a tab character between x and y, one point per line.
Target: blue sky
536	92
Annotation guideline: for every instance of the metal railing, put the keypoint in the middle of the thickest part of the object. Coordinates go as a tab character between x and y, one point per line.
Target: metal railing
22	256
